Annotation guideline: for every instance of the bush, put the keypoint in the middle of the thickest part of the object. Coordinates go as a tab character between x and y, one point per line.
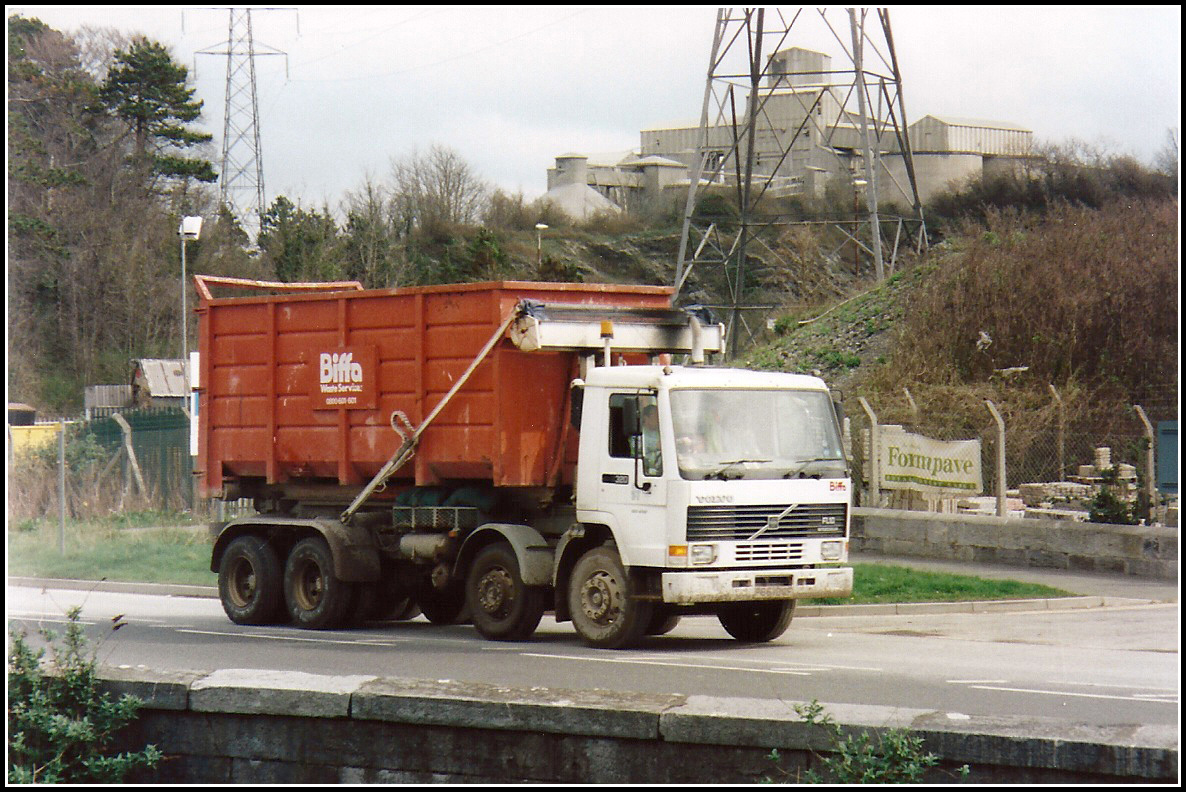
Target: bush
61	729
1106	508
896	757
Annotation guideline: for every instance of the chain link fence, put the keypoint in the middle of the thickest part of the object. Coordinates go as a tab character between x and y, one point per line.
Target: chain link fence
1055	457
121	461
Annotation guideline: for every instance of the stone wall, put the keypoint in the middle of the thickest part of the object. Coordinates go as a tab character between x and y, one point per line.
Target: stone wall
256	726
1145	551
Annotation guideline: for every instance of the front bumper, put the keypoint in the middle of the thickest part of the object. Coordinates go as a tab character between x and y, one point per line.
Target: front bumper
695	586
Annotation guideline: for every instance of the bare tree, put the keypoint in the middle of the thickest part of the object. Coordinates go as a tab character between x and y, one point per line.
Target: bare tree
435	189
1166	159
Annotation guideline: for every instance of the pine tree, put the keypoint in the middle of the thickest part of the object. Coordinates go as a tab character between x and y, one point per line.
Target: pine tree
147	90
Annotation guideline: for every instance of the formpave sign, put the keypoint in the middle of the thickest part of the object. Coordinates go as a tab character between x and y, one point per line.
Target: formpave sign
911	461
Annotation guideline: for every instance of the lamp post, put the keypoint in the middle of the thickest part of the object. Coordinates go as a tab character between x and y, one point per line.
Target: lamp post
190	229
857	184
540	228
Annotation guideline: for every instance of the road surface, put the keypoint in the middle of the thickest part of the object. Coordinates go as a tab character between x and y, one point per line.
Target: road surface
1101	665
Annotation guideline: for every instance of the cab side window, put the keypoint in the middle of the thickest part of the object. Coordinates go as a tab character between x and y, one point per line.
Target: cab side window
646	445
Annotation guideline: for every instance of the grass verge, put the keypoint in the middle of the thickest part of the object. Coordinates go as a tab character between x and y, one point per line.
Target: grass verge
126	548
885	583
129	549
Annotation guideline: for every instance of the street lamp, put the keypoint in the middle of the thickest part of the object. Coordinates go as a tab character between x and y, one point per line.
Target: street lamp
857	184
190	229
540	228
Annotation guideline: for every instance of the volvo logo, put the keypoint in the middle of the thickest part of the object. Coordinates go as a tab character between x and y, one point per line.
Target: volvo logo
714	498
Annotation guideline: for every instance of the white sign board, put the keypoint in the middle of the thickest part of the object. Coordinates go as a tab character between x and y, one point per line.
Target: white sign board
193	402
940	467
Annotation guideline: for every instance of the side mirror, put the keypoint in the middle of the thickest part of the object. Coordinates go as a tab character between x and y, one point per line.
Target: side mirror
576	404
839	408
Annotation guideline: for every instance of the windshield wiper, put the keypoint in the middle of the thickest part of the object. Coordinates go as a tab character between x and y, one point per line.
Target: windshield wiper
720	473
803	464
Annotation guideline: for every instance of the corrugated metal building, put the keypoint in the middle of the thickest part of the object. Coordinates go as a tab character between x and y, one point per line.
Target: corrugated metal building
951	135
826	148
158	382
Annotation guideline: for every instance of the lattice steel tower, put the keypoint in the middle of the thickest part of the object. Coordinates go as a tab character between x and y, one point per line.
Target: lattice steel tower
241	186
779	122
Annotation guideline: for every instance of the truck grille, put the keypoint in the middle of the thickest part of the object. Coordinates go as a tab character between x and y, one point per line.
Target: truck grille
739	523
775	551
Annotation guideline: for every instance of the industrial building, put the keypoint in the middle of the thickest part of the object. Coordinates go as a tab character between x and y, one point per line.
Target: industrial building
806	140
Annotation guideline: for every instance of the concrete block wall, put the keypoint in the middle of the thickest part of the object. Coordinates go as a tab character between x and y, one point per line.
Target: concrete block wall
255	726
1140	550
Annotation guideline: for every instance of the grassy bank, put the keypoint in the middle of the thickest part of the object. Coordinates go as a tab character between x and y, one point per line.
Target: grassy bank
131	549
127	548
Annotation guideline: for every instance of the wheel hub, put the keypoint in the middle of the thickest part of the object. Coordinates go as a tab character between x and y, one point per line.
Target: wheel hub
243	578
312	586
495	591
599	598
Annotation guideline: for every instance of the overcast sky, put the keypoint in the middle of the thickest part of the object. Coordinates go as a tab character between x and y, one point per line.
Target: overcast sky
510	88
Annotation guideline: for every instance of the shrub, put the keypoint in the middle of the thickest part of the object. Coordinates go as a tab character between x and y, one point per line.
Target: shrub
61	728
896	757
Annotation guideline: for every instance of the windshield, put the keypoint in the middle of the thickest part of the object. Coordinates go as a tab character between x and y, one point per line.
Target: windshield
755	434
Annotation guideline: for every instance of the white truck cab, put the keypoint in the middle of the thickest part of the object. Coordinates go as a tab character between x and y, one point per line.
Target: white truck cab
732	484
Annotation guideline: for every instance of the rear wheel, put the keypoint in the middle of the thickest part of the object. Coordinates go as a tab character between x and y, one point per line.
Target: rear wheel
442	606
757	622
599	599
251	582
317	600
502	606
387	600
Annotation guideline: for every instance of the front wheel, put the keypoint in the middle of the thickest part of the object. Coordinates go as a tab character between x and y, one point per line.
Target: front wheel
757	622
502	606
317	600
599	599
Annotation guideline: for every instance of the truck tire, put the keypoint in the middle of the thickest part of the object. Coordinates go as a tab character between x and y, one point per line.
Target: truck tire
251	582
501	606
386	600
316	599
662	622
757	622
603	612
443	606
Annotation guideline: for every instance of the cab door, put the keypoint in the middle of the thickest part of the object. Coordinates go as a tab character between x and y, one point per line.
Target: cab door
631	485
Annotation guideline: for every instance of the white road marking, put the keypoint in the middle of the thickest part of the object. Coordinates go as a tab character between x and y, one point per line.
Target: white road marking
638	661
297	638
1039	692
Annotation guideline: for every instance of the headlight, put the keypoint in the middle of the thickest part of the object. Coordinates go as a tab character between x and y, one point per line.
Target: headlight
831	551
703	553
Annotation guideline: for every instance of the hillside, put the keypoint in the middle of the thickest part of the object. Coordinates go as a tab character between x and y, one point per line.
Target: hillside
1084	301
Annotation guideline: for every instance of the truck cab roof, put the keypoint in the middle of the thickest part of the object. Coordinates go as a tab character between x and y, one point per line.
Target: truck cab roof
655	377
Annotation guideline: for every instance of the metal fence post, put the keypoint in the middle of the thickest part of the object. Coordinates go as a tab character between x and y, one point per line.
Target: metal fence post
1001	501
1062	432
913	406
62	487
1150	463
873	471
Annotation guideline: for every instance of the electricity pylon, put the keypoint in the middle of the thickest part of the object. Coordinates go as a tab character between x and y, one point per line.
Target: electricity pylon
241	186
778	122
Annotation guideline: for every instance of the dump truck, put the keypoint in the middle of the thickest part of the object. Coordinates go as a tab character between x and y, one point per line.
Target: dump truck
487	453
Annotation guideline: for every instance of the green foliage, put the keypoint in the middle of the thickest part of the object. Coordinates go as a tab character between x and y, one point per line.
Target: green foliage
1105	507
488	260
302	244
147	90
894	756
61	727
